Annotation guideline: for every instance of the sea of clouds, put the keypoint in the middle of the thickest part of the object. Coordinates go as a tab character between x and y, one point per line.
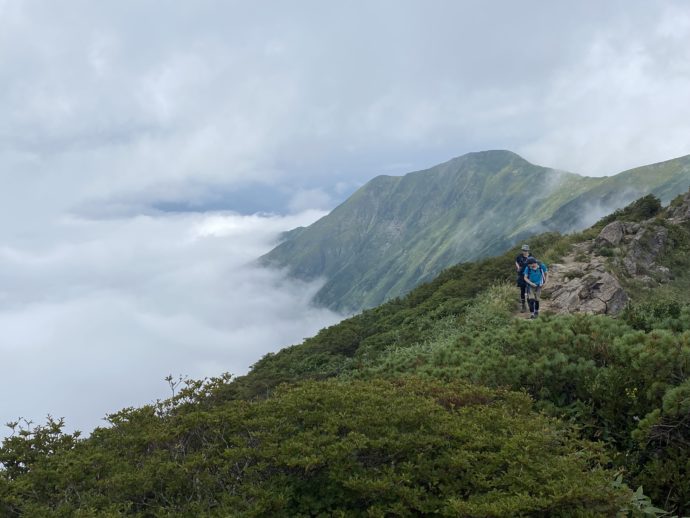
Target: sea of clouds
96	320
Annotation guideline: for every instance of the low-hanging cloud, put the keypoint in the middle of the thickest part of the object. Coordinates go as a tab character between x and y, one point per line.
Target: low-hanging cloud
94	321
625	102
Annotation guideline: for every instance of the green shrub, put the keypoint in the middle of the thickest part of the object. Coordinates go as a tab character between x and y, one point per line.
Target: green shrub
400	323
641	209
677	201
369	448
658	313
664	438
605	251
597	372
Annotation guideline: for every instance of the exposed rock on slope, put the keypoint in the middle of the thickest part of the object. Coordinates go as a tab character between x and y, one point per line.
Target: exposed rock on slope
680	212
591	278
579	285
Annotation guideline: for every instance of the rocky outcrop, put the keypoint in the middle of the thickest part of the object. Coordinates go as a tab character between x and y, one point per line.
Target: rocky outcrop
595	293
679	212
584	286
612	234
591	278
643	248
585	283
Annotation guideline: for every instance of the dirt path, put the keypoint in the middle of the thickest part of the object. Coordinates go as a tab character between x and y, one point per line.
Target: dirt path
558	276
544	309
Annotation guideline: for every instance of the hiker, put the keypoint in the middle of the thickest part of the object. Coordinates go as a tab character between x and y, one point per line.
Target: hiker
535	275
520	264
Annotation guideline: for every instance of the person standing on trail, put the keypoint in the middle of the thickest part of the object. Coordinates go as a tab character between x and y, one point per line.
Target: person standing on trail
535	275
520	264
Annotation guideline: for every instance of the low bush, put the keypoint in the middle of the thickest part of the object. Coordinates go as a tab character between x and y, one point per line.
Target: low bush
641	209
368	448
601	374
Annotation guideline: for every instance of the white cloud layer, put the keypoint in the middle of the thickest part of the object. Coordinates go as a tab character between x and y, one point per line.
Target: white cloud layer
94	321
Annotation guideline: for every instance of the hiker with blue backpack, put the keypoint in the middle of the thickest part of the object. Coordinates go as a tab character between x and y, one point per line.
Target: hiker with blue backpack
520	265
535	275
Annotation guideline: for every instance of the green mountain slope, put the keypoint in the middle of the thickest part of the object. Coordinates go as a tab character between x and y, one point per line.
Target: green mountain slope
665	180
396	232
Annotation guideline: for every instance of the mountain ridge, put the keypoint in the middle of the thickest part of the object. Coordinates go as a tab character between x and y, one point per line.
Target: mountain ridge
620	189
398	231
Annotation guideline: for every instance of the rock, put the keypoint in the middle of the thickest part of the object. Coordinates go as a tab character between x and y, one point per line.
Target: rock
587	282
595	293
658	240
631	228
644	248
681	212
663	272
611	234
583	248
608	290
630	265
567	271
586	287
646	281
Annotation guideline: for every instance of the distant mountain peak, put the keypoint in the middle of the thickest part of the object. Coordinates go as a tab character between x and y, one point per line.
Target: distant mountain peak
491	153
493	156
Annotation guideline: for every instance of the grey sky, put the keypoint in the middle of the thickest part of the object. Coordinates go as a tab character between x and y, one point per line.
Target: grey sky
120	117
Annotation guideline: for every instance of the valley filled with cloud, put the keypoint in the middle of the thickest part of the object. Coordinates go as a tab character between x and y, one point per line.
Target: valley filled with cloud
94	321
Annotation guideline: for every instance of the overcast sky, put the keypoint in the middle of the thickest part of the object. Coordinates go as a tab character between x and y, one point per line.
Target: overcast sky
150	150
